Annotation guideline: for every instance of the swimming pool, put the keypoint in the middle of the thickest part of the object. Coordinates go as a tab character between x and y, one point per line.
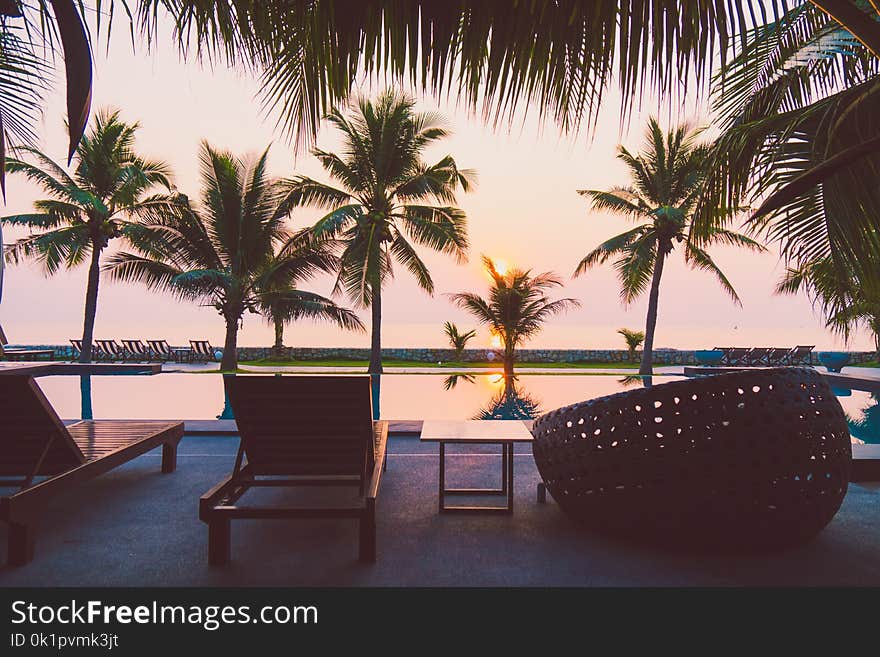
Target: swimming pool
401	397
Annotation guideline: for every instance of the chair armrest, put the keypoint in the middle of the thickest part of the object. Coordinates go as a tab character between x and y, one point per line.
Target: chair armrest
380	442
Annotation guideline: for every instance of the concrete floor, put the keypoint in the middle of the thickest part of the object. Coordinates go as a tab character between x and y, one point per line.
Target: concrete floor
137	527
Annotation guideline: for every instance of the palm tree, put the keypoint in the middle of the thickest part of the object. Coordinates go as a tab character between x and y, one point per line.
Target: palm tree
799	109
559	56
633	340
846	303
105	198
457	340
516	308
667	181
389	200
282	304
233	251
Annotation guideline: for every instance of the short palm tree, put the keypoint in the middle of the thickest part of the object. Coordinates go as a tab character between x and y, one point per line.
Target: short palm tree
516	308
234	252
667	182
633	340
106	197
389	200
457	340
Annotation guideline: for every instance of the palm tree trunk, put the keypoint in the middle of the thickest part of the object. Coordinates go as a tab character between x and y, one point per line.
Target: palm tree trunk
647	366
229	363
279	335
509	360
376	341
91	310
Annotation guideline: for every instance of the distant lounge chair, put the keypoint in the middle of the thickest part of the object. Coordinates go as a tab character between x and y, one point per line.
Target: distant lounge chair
161	350
137	350
202	351
757	357
98	352
800	355
725	359
35	443
778	356
111	350
300	431
738	357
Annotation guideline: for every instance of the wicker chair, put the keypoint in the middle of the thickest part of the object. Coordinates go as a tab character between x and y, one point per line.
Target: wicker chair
745	460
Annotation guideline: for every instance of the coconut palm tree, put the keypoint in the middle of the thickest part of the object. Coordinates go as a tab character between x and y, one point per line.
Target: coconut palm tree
667	181
106	197
797	86
633	340
233	251
799	109
845	302
282	304
516	308
559	56
388	201
457	340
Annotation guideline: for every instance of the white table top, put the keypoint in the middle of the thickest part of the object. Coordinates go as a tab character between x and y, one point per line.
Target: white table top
476	431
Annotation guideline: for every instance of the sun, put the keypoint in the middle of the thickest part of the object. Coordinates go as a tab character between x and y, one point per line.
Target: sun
495	342
500	266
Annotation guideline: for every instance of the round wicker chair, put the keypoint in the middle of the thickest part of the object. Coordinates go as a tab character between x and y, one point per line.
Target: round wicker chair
748	460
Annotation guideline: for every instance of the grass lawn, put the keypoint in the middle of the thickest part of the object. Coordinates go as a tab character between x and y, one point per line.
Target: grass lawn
445	365
870	363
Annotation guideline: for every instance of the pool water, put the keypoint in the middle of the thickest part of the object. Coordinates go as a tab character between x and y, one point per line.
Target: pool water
401	397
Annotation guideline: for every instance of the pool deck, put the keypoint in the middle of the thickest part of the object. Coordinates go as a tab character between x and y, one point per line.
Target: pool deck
52	368
137	527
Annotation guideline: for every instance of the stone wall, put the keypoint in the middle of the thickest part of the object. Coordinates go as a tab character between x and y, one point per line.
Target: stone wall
424	355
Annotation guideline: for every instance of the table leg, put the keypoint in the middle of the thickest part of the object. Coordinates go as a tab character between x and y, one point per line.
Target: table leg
504	448
442	474
509	482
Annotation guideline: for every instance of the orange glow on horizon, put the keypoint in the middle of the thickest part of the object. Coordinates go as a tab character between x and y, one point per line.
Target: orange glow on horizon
495	342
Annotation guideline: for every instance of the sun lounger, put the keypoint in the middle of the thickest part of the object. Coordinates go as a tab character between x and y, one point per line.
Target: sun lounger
42	458
77	348
111	351
800	355
757	357
160	350
300	431
738	357
202	351
137	350
778	356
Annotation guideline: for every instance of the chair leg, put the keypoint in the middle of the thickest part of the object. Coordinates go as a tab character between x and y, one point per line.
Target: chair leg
367	542
219	541
169	457
21	544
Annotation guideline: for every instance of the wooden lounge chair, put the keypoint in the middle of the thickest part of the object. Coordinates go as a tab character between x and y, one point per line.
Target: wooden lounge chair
137	350
725	359
738	357
160	350
800	355
111	351
300	431
757	357
778	356
202	351
34	444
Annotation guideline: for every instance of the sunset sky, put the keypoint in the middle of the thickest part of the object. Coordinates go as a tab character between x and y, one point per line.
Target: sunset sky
525	211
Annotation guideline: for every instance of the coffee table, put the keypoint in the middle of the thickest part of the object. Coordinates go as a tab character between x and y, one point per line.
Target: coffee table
477	432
